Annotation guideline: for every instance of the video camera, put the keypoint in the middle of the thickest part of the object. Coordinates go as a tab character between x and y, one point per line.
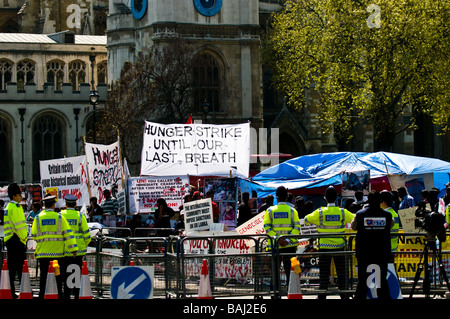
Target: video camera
430	221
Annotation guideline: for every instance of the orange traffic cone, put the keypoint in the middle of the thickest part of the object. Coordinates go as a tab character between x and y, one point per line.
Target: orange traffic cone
51	289
5	283
25	285
294	290
204	290
85	289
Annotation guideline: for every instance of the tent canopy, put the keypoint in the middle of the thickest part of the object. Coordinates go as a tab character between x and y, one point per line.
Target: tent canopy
319	170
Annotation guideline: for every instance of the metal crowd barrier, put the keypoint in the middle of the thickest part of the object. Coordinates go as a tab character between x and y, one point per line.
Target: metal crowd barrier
250	270
231	274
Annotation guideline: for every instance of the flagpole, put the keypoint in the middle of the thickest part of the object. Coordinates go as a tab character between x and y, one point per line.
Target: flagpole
87	169
120	159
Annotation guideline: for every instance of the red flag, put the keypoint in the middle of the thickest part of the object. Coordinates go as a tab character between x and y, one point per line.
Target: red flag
189	121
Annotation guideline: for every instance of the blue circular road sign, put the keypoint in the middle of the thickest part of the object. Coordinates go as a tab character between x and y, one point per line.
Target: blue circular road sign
131	283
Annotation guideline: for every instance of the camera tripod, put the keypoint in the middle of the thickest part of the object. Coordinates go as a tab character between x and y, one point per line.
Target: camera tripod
430	244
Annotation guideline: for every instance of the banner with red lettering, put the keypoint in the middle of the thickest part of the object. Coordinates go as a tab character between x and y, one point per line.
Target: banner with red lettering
235	264
145	190
253	226
64	176
105	170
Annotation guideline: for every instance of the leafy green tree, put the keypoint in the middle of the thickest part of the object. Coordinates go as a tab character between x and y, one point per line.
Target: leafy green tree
372	61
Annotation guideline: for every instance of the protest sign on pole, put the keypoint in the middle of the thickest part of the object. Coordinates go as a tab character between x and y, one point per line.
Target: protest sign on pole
198	215
196	149
145	190
64	176
105	171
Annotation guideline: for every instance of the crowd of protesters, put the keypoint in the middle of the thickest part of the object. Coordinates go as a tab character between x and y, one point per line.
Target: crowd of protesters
167	217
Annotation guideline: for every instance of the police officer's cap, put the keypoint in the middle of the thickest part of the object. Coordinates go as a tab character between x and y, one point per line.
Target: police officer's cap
70	198
49	197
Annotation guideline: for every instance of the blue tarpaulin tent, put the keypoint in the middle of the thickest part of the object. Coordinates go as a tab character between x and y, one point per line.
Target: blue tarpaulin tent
320	170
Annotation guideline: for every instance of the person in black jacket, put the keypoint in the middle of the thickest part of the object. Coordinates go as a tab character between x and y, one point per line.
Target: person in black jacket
372	246
162	218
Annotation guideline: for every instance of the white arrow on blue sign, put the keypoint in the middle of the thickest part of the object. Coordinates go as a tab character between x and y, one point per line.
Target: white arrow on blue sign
132	282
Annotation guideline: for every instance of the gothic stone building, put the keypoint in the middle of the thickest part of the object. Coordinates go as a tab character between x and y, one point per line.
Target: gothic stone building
53	53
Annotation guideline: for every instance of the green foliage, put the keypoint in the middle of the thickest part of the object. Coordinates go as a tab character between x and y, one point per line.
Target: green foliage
366	70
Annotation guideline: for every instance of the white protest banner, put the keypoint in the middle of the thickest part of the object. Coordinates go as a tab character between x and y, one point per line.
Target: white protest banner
104	167
145	190
198	215
64	176
253	226
231	266
196	149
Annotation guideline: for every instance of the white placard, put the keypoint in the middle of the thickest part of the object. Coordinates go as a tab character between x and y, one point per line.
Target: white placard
198	215
145	190
64	176
196	149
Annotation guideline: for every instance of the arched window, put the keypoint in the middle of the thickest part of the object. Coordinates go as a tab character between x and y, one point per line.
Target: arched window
207	84
25	73
55	73
5	150
48	140
100	22
5	73
77	73
102	76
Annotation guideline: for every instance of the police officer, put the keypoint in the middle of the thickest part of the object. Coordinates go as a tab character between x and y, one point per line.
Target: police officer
373	246
53	235
15	231
80	229
330	219
282	219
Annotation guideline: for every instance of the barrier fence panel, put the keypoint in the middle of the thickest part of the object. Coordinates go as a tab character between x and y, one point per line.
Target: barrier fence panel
103	254
236	265
340	278
149	251
422	265
242	266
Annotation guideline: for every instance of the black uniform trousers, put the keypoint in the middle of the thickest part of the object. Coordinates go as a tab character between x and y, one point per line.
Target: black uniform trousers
325	270
17	254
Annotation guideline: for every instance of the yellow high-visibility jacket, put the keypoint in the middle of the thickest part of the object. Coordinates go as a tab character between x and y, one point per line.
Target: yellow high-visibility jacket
14	222
80	229
394	229
53	235
330	219
282	219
